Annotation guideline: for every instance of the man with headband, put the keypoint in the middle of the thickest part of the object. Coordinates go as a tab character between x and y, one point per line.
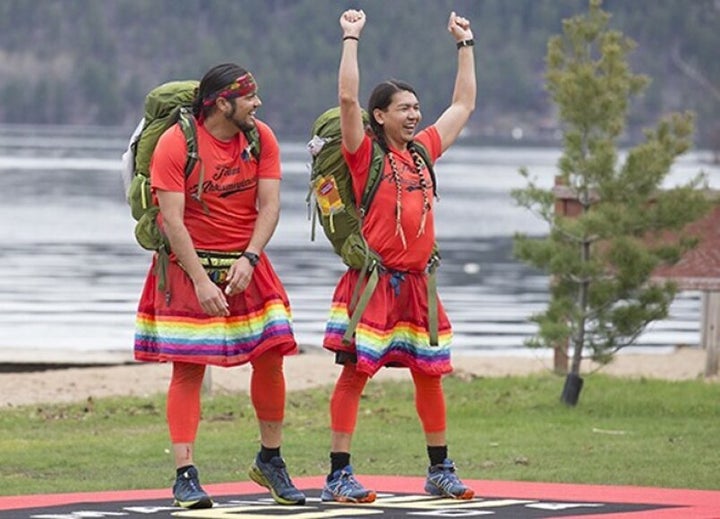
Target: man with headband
225	305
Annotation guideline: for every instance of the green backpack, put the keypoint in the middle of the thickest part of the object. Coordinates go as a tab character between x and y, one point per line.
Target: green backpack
331	200
165	105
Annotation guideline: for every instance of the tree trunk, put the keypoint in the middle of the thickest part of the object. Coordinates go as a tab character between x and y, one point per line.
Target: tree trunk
573	381
571	389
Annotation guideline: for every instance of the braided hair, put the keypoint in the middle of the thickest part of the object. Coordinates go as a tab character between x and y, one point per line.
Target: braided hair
214	81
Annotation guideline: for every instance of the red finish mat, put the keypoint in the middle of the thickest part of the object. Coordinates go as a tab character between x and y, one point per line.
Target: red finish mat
397	497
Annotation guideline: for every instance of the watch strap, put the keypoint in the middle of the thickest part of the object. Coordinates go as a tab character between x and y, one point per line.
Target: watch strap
252	258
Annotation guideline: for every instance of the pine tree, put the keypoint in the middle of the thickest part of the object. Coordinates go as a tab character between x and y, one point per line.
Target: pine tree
601	258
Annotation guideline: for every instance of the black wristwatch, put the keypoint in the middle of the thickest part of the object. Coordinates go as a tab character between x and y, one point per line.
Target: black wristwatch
252	258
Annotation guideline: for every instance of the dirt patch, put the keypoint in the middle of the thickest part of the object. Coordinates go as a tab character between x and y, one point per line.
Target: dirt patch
77	384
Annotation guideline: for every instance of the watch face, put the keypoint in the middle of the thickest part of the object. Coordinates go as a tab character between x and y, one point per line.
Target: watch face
252	258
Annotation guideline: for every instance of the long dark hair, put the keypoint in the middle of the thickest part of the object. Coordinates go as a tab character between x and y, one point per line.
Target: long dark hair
380	98
214	80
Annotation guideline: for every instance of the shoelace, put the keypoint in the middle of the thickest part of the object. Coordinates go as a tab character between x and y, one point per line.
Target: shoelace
446	480
350	484
279	474
192	482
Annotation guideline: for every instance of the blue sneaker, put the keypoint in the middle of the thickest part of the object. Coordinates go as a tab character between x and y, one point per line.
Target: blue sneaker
187	491
273	475
442	481
342	486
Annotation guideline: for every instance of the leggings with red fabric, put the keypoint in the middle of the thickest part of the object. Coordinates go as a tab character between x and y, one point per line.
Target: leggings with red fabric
345	401
267	392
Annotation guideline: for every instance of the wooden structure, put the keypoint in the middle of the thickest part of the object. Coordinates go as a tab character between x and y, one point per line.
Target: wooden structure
698	269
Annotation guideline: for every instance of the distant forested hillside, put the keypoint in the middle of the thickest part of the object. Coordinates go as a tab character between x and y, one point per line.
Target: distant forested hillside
92	61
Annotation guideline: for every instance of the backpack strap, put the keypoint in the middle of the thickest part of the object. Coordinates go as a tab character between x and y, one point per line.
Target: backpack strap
369	275
434	261
377	164
432	296
187	123
253	137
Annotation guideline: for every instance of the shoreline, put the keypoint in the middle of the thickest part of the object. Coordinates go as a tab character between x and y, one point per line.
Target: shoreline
314	368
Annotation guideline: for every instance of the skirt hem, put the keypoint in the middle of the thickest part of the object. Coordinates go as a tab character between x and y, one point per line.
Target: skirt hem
286	349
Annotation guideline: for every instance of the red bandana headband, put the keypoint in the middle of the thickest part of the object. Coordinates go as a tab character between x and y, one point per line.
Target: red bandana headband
242	86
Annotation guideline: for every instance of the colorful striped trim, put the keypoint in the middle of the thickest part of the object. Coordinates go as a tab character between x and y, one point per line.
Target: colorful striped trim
406	344
200	336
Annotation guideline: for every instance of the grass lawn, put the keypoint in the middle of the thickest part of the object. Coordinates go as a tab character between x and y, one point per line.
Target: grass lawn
624	432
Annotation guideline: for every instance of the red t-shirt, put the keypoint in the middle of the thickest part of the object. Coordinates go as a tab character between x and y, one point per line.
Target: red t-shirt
230	179
379	225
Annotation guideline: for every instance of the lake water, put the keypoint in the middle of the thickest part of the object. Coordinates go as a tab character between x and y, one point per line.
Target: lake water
71	271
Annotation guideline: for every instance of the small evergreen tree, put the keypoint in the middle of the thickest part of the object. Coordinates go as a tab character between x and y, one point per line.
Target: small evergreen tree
601	259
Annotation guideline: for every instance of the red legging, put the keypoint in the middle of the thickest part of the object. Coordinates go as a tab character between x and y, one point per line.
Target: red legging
345	401
267	392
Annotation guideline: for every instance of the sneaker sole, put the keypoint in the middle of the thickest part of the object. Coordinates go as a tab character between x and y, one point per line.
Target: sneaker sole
259	478
468	494
194	505
343	499
438	492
